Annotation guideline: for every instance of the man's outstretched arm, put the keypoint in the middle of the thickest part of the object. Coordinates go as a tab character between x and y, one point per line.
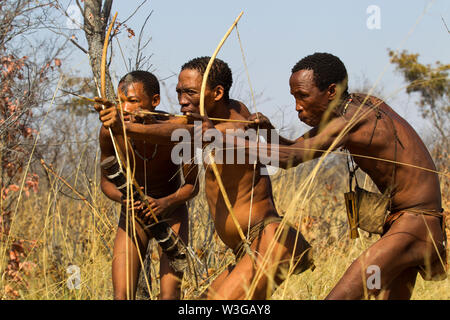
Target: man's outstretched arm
158	132
309	146
262	122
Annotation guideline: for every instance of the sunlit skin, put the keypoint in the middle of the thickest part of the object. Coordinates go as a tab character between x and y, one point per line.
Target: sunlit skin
238	179
161	181
407	244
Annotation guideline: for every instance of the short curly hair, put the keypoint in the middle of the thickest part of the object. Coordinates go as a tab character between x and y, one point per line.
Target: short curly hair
220	73
148	79
327	69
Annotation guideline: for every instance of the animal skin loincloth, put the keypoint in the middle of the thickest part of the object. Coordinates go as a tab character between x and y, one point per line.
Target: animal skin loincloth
302	262
429	271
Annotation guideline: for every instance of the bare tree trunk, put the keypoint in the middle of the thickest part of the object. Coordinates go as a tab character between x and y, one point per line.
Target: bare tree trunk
96	17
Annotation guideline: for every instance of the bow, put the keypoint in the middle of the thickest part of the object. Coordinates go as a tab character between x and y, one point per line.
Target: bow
172	243
118	153
120	157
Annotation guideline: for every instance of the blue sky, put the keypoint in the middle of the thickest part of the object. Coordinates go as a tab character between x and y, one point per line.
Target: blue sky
276	34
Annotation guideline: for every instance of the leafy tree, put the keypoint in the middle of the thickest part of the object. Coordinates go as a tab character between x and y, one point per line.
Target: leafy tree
24	78
432	84
28	65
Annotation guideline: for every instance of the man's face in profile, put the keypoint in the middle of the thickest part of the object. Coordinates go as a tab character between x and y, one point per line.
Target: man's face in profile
310	102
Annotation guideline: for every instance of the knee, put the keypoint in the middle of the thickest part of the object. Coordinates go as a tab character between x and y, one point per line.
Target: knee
288	239
170	284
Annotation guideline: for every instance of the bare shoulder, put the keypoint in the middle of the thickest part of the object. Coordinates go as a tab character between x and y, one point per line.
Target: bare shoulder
367	99
370	120
238	111
240	108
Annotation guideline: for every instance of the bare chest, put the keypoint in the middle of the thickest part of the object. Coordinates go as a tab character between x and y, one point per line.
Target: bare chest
152	167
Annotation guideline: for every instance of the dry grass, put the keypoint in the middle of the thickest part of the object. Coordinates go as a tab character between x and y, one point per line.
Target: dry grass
51	231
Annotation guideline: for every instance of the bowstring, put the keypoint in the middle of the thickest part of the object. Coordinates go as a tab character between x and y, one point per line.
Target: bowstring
277	235
257	129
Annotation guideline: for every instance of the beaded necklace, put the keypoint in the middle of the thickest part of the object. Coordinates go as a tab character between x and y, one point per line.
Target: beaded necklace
346	106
